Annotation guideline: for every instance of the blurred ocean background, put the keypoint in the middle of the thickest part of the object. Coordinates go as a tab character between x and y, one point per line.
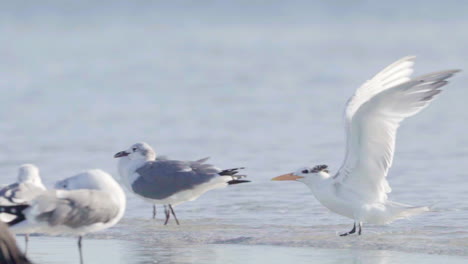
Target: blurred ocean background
260	84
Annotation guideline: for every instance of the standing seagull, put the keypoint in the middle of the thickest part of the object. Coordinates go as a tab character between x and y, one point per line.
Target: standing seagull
169	182
28	187
359	189
97	203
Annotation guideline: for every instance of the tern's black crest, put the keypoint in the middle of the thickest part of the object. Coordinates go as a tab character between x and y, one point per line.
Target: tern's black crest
320	168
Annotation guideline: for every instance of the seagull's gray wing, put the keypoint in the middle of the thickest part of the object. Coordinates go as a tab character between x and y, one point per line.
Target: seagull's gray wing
76	208
163	178
19	193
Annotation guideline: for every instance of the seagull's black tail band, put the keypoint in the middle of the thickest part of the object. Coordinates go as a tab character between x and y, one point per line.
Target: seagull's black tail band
236	182
231	172
16	210
236	179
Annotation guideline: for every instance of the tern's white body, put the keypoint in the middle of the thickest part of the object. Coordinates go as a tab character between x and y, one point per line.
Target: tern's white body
373	114
342	200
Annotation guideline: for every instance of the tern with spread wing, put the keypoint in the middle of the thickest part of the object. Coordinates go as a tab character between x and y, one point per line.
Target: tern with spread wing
373	114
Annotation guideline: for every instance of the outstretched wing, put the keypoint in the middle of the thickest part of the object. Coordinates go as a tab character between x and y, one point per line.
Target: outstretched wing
393	75
372	126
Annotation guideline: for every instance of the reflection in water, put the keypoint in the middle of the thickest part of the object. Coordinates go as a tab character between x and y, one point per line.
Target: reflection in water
143	250
273	254
62	250
199	233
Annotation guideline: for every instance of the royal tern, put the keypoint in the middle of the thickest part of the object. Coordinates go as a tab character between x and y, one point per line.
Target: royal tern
373	114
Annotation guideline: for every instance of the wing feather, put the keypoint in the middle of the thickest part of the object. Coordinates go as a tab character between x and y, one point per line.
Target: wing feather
372	127
394	74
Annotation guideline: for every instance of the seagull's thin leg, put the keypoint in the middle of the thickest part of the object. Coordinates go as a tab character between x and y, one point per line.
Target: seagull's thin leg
26	240
173	213
350	232
168	214
154	211
360	228
79	248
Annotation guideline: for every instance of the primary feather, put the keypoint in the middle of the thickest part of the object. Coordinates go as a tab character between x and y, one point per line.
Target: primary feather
373	117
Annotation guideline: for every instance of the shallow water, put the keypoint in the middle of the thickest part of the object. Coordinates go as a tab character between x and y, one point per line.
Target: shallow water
249	84
118	251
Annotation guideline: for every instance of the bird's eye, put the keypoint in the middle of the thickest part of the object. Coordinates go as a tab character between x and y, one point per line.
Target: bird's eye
305	171
134	149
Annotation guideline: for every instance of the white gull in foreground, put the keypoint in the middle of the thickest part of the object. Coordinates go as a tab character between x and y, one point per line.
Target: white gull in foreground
28	187
373	114
169	182
89	202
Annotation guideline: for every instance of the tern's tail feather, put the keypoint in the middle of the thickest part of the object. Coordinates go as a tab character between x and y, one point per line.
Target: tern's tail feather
401	211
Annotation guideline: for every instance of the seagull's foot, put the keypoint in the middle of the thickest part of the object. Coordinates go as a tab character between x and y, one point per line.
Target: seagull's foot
168	214
79	249
26	240
173	213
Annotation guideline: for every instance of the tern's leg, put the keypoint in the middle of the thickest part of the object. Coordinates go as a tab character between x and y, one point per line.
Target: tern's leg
26	240
350	232
173	213
168	214
360	228
79	249
154	211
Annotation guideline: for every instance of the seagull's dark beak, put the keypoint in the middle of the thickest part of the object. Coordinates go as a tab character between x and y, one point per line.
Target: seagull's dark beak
121	154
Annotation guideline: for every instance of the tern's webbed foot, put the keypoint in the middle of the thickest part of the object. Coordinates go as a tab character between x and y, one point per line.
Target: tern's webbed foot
351	232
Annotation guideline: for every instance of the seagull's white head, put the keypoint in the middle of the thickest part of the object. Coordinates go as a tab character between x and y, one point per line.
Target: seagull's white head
138	151
306	174
29	173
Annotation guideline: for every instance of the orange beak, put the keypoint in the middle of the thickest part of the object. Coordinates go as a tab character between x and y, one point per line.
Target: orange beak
287	177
